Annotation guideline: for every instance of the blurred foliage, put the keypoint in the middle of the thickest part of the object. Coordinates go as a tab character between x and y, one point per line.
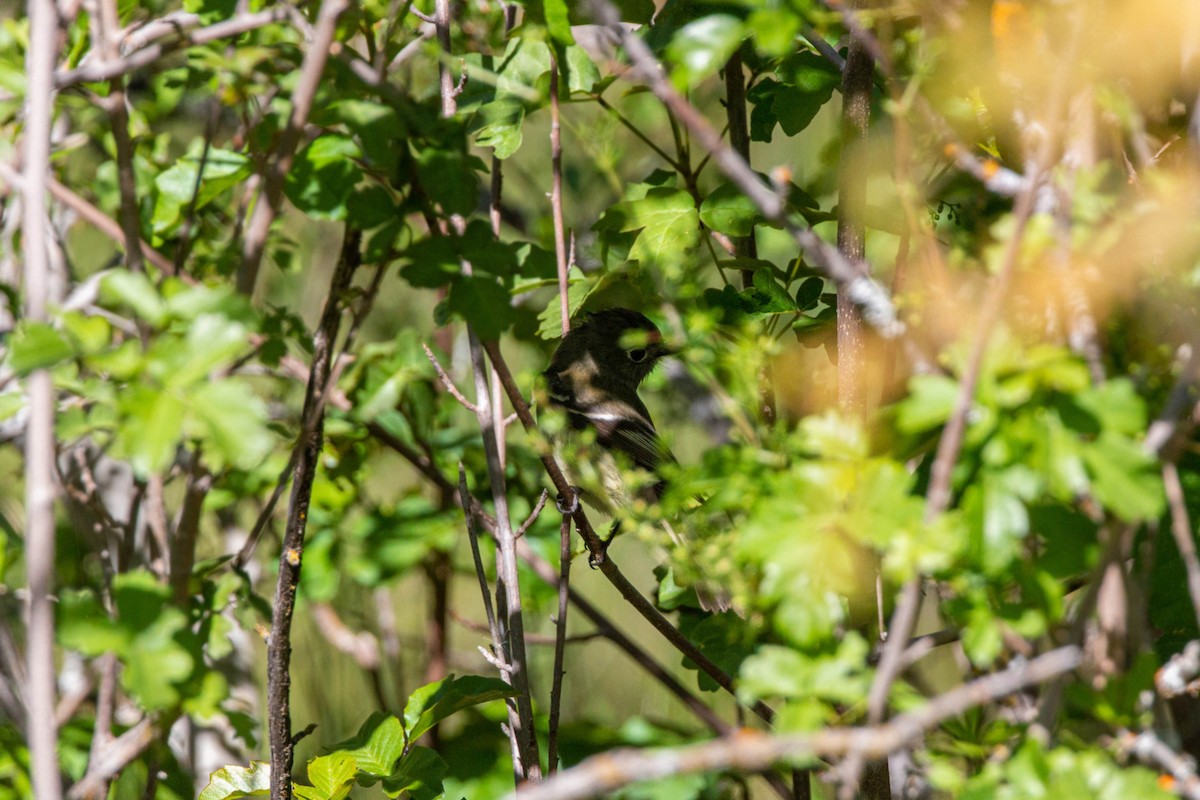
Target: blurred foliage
179	399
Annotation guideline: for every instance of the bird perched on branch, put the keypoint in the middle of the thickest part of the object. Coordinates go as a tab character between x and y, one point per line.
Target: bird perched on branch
594	377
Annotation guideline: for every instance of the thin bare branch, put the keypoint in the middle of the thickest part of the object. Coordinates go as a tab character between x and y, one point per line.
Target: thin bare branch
447	382
116	755
1181	528
39	432
556	204
271	195
750	752
95	71
279	649
560	640
1148	748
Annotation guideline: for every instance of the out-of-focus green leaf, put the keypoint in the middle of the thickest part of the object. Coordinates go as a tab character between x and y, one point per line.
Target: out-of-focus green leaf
36	345
417	776
702	46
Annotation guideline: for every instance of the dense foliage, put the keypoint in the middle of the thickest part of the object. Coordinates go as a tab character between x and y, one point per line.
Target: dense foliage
280	233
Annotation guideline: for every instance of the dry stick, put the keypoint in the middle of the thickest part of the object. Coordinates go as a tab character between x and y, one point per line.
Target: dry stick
279	647
560	641
751	752
118	116
1148	748
106	225
605	563
877	308
39	432
507	584
107	70
271	195
556	199
498	649
187	528
1182	529
117	755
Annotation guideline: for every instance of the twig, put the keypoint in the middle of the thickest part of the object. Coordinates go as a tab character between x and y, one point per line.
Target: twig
279	649
560	639
39	432
556	206
750	752
1181	528
492	626
447	382
1150	749
187	527
1178	675
130	218
361	645
534	514
118	754
271	195
95	71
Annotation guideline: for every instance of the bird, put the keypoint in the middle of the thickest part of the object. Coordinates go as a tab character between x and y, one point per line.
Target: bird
594	377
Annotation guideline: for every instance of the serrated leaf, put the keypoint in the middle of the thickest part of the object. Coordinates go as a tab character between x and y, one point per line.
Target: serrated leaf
667	219
419	774
729	211
332	775
433	702
377	746
482	303
323	175
229	783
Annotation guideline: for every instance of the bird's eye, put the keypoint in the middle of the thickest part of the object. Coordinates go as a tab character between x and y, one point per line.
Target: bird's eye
637	355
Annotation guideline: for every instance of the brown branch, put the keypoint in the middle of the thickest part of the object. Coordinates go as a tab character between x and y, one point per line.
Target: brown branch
187	528
751	752
1181	528
270	196
605	563
116	755
95	71
1148	748
106	22
447	383
279	649
39	431
556	204
560	640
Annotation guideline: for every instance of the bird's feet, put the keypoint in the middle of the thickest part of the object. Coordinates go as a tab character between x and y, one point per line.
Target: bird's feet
568	503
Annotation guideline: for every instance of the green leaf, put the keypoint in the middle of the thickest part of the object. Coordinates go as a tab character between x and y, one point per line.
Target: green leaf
229	783
500	125
433	702
702	46
232	423
727	210
449	178
213	341
558	24
1124	479
323	175
36	345
223	169
134	289
150	427
419	773
482	303
668	221
377	746
332	775
929	403
773	30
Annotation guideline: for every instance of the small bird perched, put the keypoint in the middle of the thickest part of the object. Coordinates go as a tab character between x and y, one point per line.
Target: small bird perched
594	376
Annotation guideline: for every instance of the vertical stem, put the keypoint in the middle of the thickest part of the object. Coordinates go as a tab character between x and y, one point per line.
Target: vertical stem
739	140
507	584
437	572
852	191
560	640
119	117
39	441
556	202
279	648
